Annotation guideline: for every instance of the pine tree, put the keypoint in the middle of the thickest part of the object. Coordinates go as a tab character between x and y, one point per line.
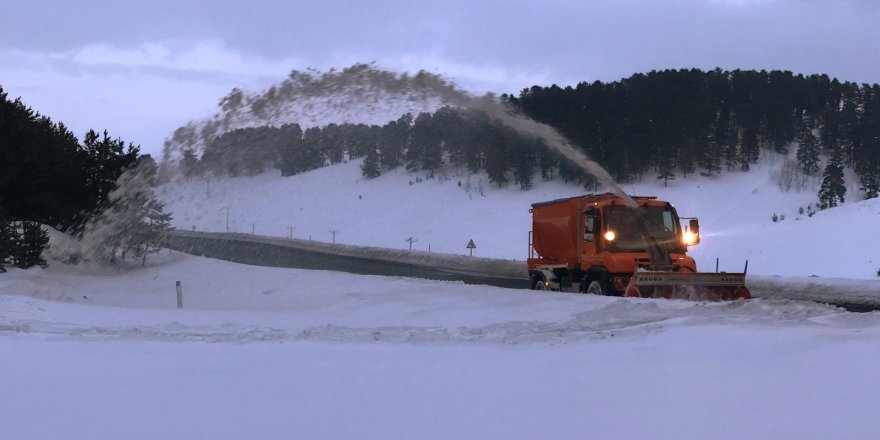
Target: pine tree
107	160
333	143
522	159
710	159
665	172
423	151
833	187
394	141
475	137
360	139
133	224
34	239
291	140
370	166
730	149
547	161
870	184
808	153
431	145
7	236
148	167
153	229
496	157
189	164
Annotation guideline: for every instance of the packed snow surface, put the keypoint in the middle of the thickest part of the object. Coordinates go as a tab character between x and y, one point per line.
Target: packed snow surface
257	352
266	353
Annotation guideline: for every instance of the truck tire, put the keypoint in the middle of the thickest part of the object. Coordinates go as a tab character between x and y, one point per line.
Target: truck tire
538	284
597	287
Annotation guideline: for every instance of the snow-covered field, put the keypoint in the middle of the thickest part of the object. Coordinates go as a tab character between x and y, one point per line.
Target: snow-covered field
735	212
282	353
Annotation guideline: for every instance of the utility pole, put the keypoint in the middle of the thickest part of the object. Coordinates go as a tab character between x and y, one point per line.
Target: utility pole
227	218
334	231
291	228
253	228
411	241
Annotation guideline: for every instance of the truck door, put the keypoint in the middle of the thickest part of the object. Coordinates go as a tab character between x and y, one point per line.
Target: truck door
592	232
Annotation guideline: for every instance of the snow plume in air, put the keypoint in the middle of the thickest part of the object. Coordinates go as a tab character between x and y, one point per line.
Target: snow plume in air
362	93
551	137
130	226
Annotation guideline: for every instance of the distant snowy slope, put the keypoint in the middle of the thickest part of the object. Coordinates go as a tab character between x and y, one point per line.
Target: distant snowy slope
735	211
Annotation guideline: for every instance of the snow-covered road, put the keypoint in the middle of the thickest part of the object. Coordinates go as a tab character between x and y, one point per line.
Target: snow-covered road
854	295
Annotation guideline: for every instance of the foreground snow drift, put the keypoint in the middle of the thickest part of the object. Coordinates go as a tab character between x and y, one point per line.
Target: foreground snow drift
266	353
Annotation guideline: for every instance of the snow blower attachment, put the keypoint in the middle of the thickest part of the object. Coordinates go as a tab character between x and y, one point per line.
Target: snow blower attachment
688	285
598	244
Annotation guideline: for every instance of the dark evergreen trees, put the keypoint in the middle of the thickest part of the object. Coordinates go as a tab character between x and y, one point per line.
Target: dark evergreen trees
42	165
833	187
291	156
523	158
424	151
333	143
22	244
866	152
310	154
241	152
107	159
7	237
808	153
33	239
496	156
370	166
660	124
686	120
48	177
394	140
189	164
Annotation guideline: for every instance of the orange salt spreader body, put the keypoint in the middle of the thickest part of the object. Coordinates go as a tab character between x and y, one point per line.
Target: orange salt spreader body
598	244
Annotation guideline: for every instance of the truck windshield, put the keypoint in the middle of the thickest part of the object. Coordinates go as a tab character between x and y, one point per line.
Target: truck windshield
629	235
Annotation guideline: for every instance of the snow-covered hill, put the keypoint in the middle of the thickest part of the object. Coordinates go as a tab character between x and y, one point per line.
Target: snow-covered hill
443	214
361	93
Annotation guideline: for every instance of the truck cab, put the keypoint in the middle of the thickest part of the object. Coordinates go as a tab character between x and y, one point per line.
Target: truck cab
594	243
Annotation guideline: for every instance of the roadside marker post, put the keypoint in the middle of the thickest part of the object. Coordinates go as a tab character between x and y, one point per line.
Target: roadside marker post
179	296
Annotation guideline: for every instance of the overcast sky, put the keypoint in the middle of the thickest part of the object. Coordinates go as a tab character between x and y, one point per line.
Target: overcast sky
142	68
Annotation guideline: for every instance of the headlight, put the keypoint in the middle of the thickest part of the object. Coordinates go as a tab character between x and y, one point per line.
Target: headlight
610	236
689	238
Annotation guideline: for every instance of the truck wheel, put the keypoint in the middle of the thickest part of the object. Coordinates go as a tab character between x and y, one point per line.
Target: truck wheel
539	284
597	288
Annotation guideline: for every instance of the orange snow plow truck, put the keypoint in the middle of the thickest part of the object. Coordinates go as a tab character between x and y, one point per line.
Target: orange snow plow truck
606	245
